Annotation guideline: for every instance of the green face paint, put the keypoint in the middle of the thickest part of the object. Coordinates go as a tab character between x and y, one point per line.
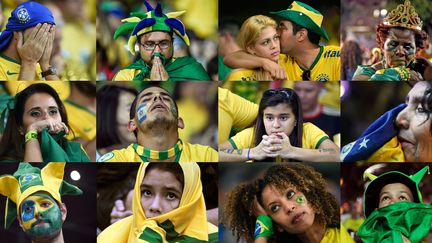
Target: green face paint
173	109
40	215
300	200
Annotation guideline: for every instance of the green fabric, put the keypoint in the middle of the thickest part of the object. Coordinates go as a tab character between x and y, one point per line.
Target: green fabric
171	235
388	224
178	69
53	152
364	70
223	70
392	74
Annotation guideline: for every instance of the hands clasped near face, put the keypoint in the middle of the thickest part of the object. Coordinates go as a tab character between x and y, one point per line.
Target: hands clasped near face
273	145
53	125
35	45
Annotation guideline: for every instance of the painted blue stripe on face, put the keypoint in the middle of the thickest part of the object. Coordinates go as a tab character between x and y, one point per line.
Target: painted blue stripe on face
28	209
142	112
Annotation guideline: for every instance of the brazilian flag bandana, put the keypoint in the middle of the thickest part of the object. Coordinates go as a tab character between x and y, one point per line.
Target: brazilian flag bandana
388	224
28	180
378	143
187	223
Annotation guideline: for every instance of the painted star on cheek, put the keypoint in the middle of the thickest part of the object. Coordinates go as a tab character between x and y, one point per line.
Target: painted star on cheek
142	112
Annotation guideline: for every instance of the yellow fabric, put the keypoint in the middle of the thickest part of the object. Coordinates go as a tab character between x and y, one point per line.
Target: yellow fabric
326	68
126	75
52	177
62	88
79	42
204	11
81	120
233	111
189	219
190	153
312	137
195	115
241	75
10	69
315	17
353	224
389	152
335	235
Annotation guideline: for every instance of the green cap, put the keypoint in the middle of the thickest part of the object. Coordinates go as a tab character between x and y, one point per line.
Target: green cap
305	16
373	190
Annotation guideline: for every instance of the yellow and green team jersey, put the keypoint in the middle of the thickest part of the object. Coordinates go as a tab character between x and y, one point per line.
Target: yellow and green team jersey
311	139
127	75
61	87
81	120
241	75
190	153
10	69
233	111
335	235
326	66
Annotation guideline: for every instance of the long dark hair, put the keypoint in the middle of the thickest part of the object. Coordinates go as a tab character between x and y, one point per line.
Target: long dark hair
273	97
107	102
12	143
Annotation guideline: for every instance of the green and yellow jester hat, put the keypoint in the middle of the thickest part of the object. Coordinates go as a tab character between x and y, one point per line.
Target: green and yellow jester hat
373	190
154	20
28	180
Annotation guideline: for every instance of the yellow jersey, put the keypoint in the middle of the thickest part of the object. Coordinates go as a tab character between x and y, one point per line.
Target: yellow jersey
241	75
81	120
312	137
10	69
326	66
190	153
233	111
335	235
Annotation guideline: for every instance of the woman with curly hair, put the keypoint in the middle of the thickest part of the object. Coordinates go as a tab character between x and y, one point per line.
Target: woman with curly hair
289	204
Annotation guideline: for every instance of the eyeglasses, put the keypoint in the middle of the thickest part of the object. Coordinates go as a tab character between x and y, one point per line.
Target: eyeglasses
285	92
306	75
151	45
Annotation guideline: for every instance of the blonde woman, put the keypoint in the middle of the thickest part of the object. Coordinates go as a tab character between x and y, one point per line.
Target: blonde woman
257	36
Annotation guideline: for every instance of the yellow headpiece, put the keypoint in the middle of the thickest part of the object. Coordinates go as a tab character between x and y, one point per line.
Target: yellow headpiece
404	16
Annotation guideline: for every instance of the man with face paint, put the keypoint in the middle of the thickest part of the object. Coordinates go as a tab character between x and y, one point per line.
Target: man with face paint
155	122
34	199
399	36
153	32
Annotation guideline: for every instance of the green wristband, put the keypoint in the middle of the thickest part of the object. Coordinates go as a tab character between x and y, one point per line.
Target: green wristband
263	226
30	135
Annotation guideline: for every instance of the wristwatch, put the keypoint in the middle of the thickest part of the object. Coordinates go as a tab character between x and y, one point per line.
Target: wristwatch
50	71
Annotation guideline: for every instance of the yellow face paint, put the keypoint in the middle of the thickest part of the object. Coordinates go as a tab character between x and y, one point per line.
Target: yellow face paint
33	206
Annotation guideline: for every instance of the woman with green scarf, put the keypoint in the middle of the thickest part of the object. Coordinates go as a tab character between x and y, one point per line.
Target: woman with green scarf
394	209
35	128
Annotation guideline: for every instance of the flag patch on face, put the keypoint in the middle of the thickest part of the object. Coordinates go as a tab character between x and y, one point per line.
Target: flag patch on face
142	112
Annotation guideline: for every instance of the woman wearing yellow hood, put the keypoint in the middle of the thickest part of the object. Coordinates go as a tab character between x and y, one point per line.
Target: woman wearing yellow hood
174	211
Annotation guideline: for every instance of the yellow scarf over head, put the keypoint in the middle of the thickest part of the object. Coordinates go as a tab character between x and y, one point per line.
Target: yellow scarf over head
187	223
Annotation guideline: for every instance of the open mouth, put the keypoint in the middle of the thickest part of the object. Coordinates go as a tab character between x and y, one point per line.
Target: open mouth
159	106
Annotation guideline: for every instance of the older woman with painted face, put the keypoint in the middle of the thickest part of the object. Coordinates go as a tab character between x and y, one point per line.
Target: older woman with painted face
257	36
399	36
35	129
290	204
280	134
403	133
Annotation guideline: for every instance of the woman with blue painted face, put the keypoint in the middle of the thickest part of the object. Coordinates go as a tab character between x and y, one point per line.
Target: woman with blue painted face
280	134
